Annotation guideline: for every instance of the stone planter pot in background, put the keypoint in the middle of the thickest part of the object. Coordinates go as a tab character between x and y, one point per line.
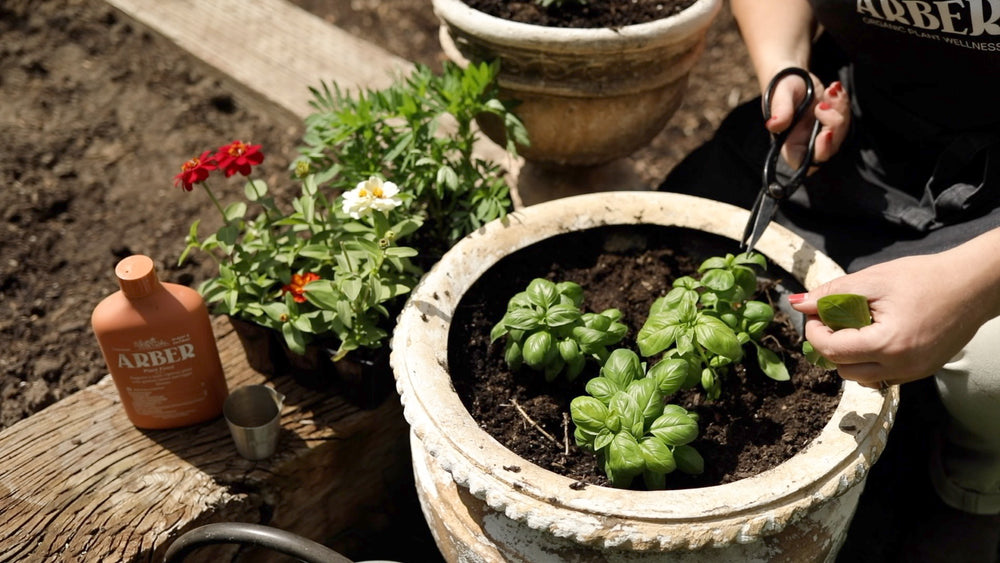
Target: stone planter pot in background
484	503
587	96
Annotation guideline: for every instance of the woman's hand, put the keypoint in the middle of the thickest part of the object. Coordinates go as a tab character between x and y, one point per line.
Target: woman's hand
925	309
831	106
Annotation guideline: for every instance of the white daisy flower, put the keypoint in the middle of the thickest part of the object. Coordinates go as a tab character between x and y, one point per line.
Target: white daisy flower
373	193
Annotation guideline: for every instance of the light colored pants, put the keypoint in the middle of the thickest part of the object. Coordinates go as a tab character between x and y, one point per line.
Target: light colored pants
966	469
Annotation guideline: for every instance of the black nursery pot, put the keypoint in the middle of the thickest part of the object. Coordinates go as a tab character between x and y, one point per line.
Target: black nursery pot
261	346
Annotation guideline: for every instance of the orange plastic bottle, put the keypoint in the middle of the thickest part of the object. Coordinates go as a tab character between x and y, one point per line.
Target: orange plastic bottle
158	343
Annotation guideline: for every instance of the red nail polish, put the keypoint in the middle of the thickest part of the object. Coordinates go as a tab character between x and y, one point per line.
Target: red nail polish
829	136
824	106
796	298
835	88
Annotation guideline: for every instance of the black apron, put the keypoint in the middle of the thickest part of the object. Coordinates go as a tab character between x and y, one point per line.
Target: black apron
920	170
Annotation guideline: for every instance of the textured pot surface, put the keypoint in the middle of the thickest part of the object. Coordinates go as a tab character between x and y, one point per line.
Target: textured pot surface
475	490
588	96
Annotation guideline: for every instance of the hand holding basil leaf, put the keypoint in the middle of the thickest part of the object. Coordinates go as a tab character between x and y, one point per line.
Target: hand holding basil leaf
838	311
844	310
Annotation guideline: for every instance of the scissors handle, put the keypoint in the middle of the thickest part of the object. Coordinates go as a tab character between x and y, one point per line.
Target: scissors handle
776	189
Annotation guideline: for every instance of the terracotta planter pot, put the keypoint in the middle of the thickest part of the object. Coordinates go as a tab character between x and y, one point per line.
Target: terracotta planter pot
485	503
588	96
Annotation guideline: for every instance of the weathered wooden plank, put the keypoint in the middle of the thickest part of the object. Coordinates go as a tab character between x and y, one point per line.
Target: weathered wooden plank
270	47
79	483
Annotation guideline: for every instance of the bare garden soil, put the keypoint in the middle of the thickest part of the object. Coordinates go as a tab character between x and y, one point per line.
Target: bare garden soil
96	116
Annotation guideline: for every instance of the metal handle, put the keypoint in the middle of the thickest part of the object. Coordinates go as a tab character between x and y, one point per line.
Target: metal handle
253	534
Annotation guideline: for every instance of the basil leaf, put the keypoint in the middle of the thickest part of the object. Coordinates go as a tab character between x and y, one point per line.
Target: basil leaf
674	428
573	291
689	460
537	349
561	315
656	454
513	355
771	364
603	388
542	292
523	319
658	333
647	396
815	358
628	408
588	413
670	375
719	280
568	350
603	438
716	337
625	456
844	310
623	366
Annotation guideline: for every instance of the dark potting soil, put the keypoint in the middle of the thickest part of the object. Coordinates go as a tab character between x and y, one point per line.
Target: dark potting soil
755	425
589	14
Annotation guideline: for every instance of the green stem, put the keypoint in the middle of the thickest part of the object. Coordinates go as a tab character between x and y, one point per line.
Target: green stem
215	201
267	209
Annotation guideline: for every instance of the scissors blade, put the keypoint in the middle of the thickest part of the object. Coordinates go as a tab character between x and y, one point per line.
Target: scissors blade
760	217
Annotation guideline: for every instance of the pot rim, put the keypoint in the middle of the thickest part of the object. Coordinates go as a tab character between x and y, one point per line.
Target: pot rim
831	464
671	29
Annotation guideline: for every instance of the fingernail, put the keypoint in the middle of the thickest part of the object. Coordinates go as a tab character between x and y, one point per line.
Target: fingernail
829	136
835	88
824	106
796	298
772	119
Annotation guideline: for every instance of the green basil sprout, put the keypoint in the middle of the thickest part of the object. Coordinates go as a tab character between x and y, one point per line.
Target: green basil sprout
546	330
625	421
708	321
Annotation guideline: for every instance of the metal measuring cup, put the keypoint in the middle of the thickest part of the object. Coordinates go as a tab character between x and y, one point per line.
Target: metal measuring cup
253	414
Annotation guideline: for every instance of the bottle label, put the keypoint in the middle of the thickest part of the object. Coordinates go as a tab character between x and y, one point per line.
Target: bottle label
160	377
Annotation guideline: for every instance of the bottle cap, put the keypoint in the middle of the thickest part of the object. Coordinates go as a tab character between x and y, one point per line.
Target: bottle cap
136	276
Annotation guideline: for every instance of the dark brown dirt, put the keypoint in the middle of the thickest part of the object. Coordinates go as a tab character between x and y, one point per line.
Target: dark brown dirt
589	14
756	424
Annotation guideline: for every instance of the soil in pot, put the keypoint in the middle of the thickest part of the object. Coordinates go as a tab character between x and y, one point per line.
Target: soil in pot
756	424
589	14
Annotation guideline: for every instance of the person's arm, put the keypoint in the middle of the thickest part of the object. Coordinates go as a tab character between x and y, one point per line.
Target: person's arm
778	34
924	310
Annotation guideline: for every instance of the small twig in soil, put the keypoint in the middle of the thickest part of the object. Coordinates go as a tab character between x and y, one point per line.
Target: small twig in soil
566	431
772	338
532	422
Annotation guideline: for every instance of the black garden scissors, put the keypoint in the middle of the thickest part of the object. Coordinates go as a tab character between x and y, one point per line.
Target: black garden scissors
772	189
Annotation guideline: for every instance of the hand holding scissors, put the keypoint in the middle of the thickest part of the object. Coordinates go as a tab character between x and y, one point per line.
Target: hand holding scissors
773	189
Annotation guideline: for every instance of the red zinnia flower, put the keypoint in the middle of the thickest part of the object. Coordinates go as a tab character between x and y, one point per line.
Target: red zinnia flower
195	171
297	286
238	157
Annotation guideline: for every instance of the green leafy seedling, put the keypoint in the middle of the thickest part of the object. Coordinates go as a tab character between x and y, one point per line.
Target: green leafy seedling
545	329
708	321
624	419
